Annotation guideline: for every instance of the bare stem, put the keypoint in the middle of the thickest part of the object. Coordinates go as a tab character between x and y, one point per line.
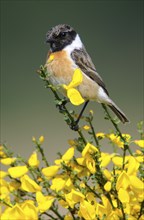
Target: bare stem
42	154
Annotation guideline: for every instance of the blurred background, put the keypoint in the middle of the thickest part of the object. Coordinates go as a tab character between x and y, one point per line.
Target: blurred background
112	32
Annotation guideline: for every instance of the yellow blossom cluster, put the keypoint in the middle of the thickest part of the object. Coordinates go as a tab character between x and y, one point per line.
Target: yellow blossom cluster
93	185
72	93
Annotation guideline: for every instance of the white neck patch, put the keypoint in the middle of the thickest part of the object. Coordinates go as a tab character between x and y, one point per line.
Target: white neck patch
76	44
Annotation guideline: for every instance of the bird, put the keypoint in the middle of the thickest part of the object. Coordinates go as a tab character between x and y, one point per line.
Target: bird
69	53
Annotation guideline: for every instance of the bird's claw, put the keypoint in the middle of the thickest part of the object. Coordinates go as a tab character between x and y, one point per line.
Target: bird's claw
74	126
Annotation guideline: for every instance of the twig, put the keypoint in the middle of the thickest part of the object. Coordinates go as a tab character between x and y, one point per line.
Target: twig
126	146
44	76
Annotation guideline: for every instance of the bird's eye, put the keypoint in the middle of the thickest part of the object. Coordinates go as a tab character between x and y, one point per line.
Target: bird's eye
63	34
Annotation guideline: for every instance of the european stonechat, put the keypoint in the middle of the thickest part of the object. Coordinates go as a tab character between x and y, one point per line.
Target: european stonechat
69	54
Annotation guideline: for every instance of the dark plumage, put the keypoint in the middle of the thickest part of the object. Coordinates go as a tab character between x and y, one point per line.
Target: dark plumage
60	36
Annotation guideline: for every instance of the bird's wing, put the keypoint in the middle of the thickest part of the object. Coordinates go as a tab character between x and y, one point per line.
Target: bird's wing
84	62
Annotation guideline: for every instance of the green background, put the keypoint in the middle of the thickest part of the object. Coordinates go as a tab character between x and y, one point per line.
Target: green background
112	32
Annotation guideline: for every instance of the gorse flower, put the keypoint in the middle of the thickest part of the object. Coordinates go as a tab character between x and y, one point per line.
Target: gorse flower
83	183
72	93
17	171
44	202
33	160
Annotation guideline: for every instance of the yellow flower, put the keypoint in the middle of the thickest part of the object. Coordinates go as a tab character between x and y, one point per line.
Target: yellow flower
90	164
113	216
105	159
118	161
136	183
86	127
29	210
16	172
87	159
100	135
74	197
69	184
3	174
107	186
133	165
63	203
14	185
41	139
58	183
101	210
71	142
2	153
107	174
81	161
44	202
140	159
50	171
127	137
106	205
123	195
68	217
33	160
29	185
72	93
91	198
7	161
138	152
89	149
79	169
76	80
4	190
34	139
15	212
74	96
140	143
68	154
116	140
123	181
87	210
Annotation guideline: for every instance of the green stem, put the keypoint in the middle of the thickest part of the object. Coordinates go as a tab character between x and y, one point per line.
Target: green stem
5	203
93	133
113	122
97	195
43	75
42	154
126	146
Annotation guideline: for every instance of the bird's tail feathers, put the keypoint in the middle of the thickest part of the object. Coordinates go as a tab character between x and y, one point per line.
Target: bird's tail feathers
118	112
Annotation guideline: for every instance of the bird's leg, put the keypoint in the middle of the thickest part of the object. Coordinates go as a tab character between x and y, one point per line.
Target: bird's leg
74	125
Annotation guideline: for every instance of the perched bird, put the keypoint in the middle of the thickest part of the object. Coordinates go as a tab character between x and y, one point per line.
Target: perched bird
69	53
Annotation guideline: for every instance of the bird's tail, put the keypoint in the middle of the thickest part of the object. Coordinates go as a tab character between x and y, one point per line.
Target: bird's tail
118	112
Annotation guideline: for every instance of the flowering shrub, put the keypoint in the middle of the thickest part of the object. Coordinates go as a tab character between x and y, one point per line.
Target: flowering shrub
84	183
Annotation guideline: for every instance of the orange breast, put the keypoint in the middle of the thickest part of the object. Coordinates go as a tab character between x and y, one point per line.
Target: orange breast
59	65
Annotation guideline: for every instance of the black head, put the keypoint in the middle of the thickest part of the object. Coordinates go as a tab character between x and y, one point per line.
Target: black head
60	36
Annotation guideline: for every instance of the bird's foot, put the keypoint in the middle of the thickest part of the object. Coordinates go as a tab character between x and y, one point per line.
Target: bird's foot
74	126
